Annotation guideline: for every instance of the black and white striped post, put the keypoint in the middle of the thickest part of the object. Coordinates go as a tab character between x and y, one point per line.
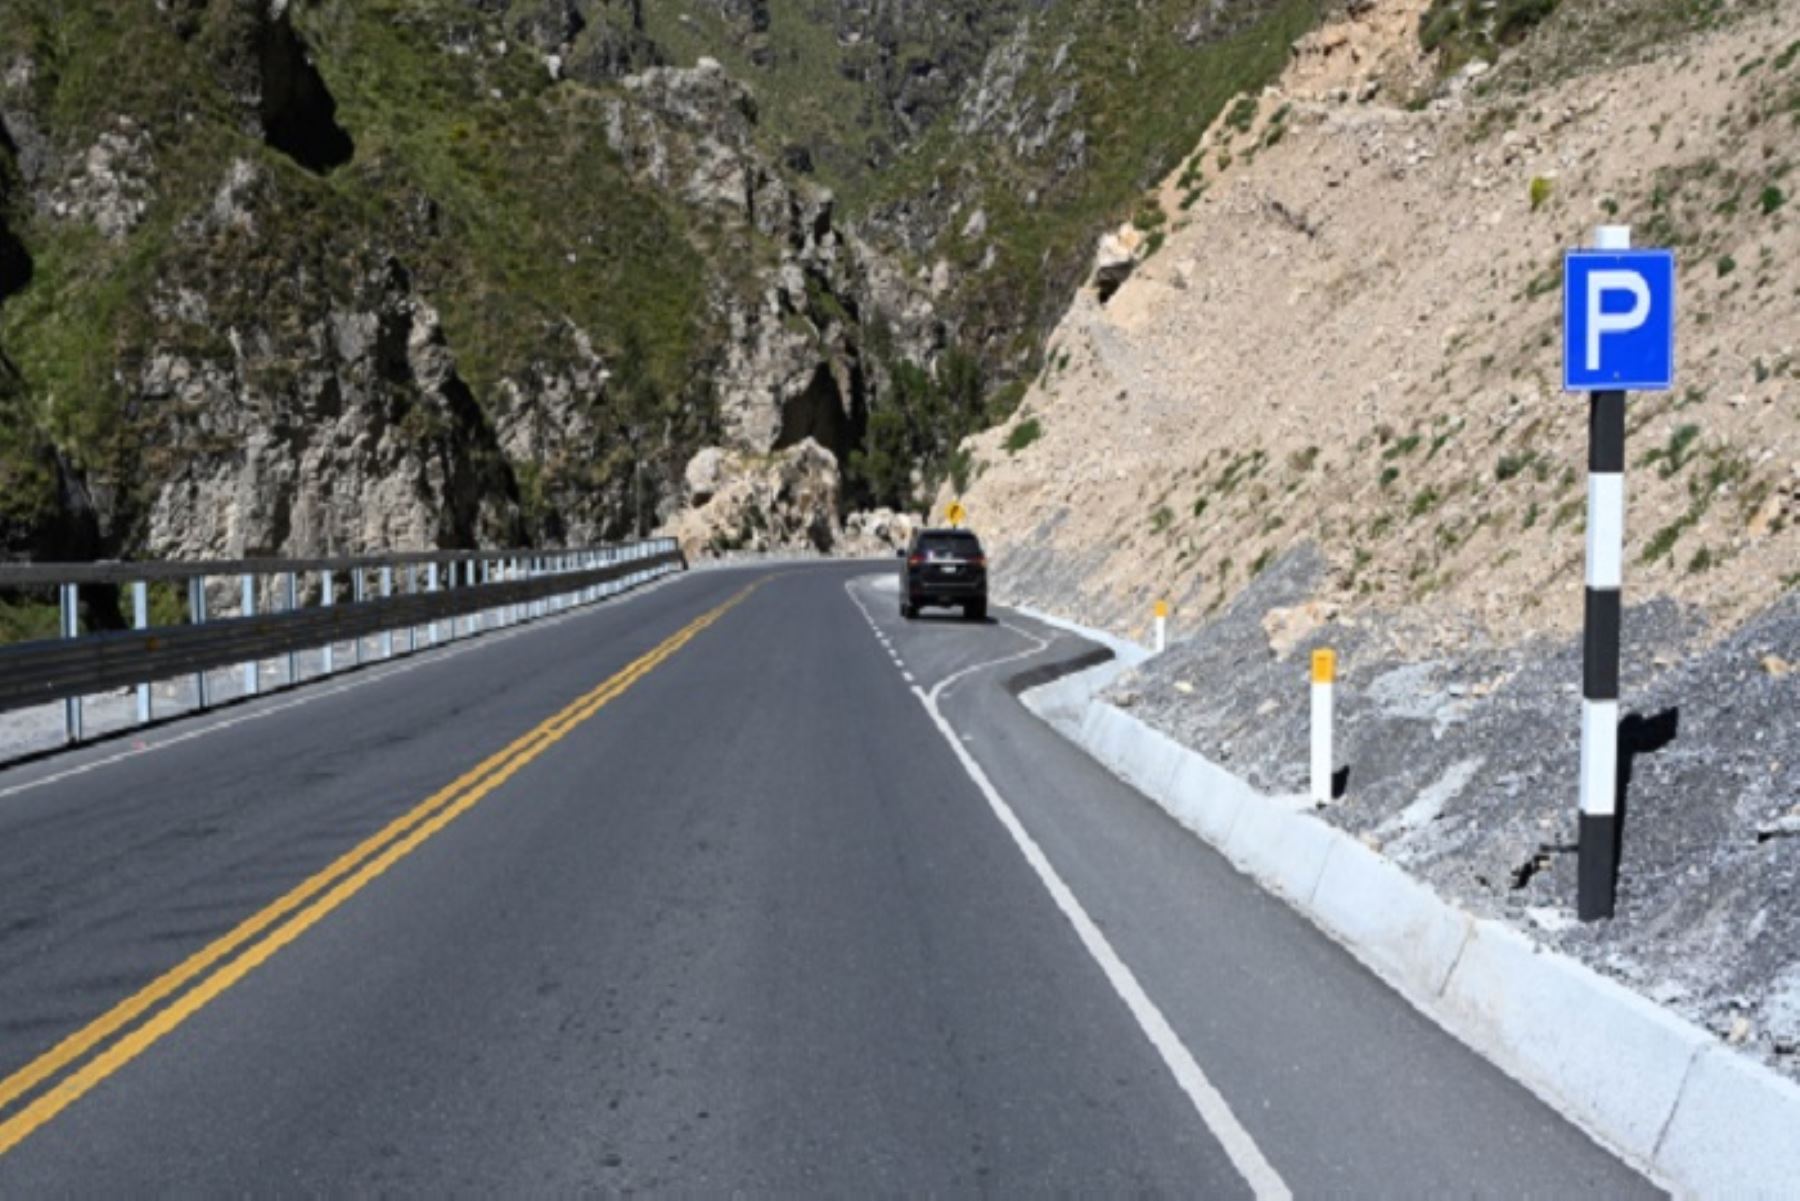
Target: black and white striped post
1598	871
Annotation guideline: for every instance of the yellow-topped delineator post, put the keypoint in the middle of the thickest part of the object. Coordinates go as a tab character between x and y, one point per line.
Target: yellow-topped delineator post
1324	676
1162	625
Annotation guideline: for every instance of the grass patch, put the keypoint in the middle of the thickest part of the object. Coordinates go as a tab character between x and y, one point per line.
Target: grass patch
1675	454
1023	435
1511	465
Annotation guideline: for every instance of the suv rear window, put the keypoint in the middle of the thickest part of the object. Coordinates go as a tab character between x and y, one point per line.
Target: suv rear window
954	546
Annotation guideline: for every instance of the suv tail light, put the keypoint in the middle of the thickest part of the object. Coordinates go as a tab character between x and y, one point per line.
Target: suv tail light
978	561
915	560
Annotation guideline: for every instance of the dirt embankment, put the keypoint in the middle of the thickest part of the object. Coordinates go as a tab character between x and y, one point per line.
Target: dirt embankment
1349	334
1325	409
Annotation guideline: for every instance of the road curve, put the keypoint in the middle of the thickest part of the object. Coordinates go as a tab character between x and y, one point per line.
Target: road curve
688	893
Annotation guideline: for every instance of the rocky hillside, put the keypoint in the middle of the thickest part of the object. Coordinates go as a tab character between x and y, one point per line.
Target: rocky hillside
1343	329
305	275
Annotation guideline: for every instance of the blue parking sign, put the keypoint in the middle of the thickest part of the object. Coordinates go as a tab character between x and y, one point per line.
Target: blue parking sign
1618	320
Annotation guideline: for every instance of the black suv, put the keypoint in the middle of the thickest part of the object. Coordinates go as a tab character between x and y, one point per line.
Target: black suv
945	568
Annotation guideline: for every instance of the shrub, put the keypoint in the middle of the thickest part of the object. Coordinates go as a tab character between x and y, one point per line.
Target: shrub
1404	446
1515	18
1674	454
1023	435
1513	464
1663	541
1242	114
1540	191
1424	501
1162	519
1771	199
1727	265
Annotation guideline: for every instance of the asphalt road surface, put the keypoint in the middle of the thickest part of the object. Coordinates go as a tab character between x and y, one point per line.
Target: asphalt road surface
693	892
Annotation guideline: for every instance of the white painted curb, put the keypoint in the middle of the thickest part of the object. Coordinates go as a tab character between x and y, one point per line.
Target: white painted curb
1665	1094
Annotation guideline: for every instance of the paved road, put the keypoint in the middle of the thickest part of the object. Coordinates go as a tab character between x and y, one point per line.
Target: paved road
690	893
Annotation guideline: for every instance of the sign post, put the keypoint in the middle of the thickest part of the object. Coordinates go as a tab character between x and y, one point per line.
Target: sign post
1618	334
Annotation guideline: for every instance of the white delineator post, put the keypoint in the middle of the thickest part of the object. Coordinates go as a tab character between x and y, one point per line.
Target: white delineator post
1324	677
1597	872
1162	626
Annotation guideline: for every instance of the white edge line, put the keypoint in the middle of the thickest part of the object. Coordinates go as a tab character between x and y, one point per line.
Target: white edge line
1208	1102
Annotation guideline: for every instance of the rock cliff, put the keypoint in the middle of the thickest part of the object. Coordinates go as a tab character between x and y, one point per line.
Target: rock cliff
304	275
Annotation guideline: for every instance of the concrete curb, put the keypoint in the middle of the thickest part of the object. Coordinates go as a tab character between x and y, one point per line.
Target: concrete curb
1663	1093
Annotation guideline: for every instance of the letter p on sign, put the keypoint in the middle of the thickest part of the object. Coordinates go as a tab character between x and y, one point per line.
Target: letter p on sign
1618	321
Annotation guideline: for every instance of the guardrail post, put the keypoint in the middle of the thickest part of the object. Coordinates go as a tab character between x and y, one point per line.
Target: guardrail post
469	582
70	597
358	593
293	606
412	589
197	616
431	585
486	617
327	598
252	669
140	620
387	590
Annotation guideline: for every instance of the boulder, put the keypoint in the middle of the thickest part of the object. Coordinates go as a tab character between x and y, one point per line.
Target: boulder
1116	259
785	501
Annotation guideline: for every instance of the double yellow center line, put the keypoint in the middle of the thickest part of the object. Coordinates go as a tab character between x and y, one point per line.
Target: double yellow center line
213	969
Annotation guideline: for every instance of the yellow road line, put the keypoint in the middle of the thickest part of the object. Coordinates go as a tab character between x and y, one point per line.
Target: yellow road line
302	907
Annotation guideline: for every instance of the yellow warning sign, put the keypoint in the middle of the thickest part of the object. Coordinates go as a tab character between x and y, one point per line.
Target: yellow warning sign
955	514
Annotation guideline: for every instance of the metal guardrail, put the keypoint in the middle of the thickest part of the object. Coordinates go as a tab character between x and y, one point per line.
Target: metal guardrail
490	588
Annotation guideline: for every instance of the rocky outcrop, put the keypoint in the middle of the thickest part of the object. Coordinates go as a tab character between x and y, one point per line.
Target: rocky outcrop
1115	259
109	184
794	365
343	427
739	501
269	73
